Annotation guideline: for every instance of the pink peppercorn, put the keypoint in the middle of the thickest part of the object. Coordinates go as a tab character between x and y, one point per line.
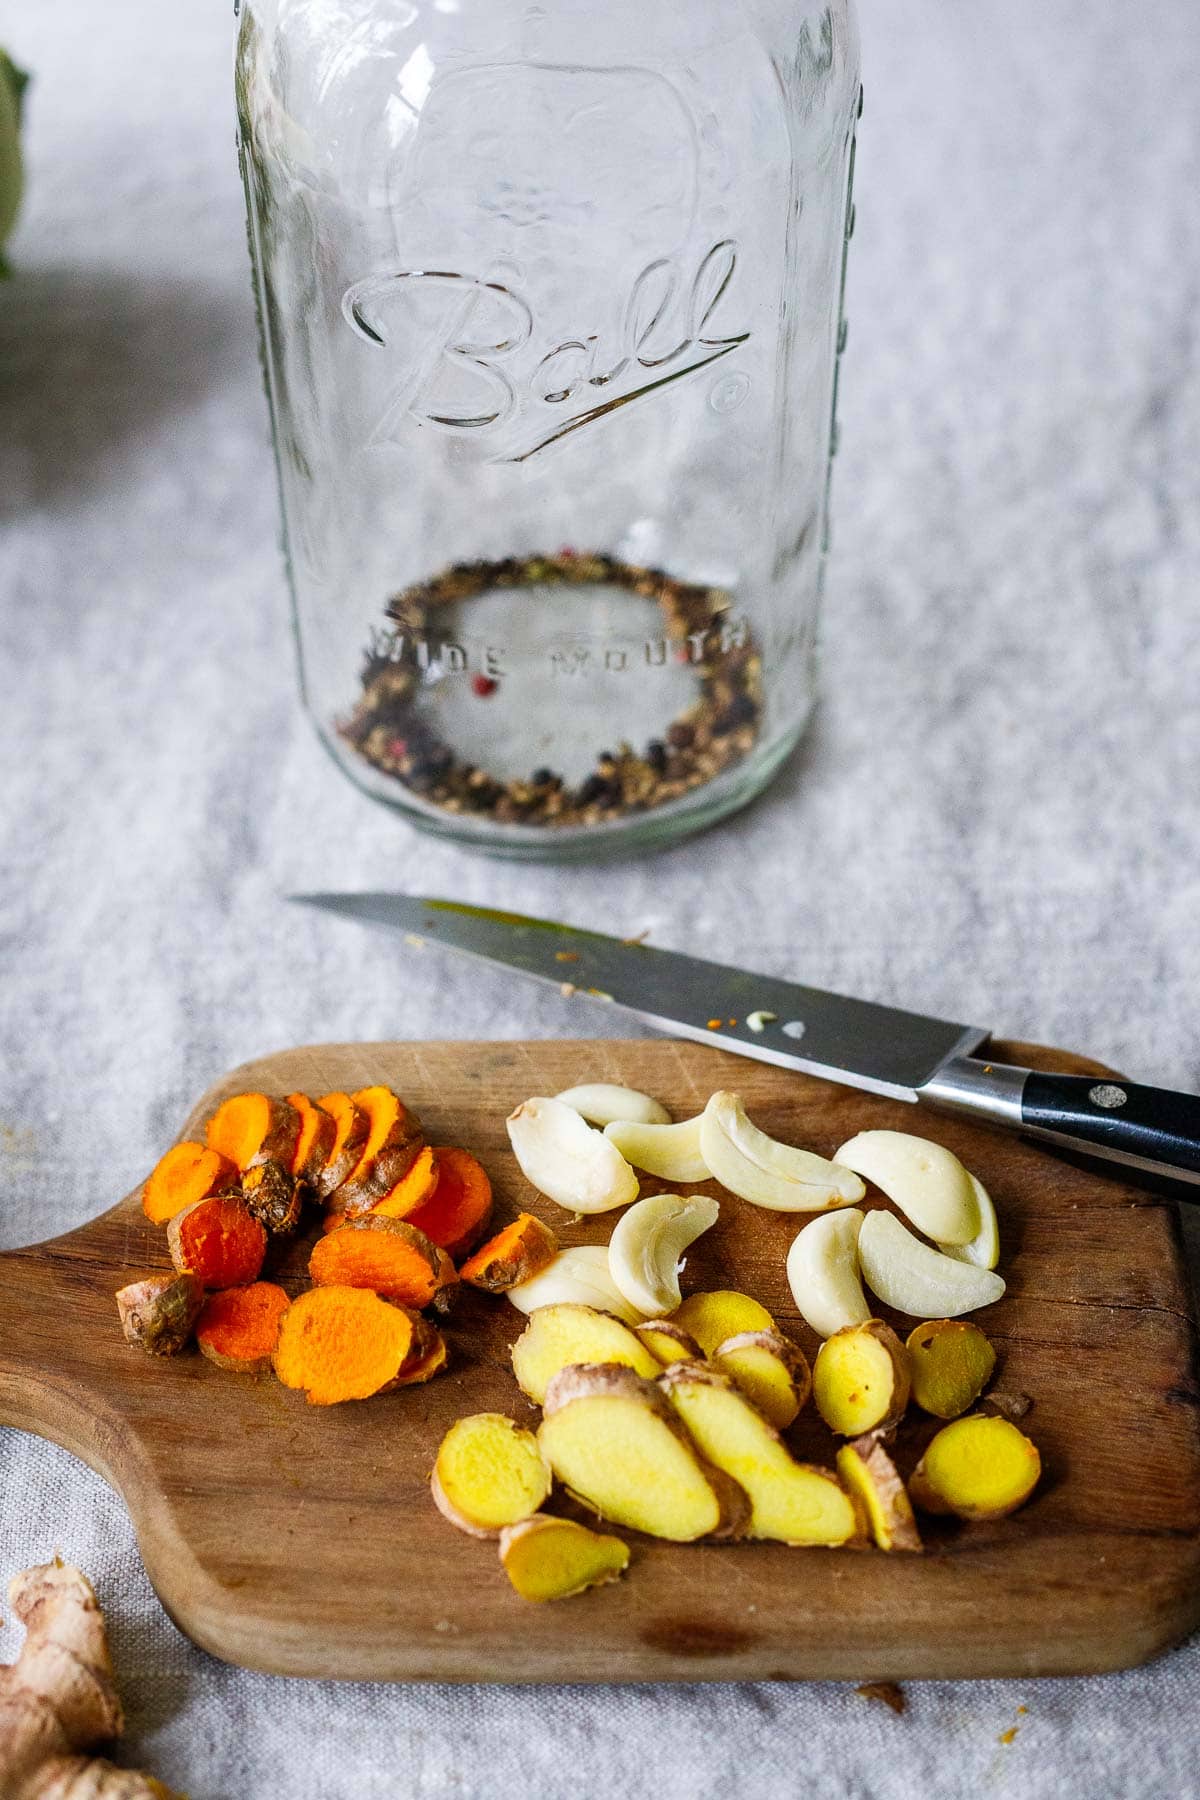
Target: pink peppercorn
483	685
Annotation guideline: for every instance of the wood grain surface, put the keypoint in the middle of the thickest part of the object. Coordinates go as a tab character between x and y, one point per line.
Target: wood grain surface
302	1540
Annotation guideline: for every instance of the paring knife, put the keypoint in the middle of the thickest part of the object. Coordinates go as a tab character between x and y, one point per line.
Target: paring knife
865	1045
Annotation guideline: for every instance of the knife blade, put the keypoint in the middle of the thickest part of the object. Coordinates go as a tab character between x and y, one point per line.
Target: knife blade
883	1049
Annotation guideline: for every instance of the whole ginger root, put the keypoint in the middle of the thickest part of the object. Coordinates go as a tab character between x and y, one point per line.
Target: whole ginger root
59	1699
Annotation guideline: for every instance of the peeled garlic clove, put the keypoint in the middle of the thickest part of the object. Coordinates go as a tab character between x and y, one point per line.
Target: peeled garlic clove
567	1161
916	1279
672	1152
603	1102
580	1277
646	1249
926	1181
822	1272
984	1248
777	1176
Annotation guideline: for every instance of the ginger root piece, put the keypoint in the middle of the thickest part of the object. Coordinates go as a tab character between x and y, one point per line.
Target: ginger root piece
489	1473
238	1328
455	1216
604	1103
951	1362
765	1172
914	1278
646	1250
387	1255
415	1188
723	1313
272	1195
822	1272
566	1160
351	1127
394	1140
558	1336
984	1248
668	1343
978	1468
790	1502
770	1370
579	1276
158	1312
218	1241
314	1140
615	1443
187	1173
346	1343
552	1559
861	1379
868	1472
247	1127
672	1152
516	1254
59	1698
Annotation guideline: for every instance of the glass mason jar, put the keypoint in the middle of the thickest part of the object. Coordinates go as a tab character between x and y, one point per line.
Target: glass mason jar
550	302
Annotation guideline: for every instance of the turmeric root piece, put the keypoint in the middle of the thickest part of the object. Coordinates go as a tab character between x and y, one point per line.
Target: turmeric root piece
247	1127
668	1343
868	1472
431	1363
516	1254
272	1195
489	1473
770	1370
415	1187
345	1343
59	1698
314	1142
951	1362
157	1313
790	1502
218	1241
558	1336
238	1328
611	1438
393	1142
456	1214
553	1559
187	1173
351	1127
979	1468
389	1256
861	1379
711	1318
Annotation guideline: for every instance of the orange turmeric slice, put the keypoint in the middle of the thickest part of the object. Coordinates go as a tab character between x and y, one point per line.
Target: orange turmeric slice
413	1189
314	1140
187	1173
387	1255
522	1250
457	1212
239	1327
250	1126
393	1142
430	1363
350	1134
343	1343
218	1242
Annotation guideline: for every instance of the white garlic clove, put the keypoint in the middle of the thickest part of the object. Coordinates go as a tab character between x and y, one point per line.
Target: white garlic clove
578	1276
777	1176
916	1279
925	1180
984	1248
603	1103
646	1249
566	1160
672	1152
822	1272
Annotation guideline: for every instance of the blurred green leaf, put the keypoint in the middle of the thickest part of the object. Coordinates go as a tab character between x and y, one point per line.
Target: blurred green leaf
13	82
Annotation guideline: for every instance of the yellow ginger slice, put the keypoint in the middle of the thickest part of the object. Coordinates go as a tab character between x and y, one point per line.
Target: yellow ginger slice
645	1252
790	1502
669	1342
978	1468
615	1443
579	1276
914	1278
489	1473
567	1160
822	1272
951	1362
984	1248
869	1473
552	1559
770	1370
861	1379
604	1103
558	1336
722	1313
925	1180
767	1173
672	1152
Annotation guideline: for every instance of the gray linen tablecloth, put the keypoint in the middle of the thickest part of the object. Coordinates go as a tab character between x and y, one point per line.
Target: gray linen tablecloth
996	814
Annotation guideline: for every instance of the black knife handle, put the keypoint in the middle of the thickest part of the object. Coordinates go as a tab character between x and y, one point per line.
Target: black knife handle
1151	1128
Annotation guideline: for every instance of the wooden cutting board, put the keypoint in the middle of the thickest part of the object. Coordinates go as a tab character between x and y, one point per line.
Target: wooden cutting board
302	1540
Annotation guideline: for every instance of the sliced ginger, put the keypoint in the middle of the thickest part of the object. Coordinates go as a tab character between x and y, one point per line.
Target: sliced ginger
455	1215
978	1468
351	1127
770	1370
558	1336
790	1502
614	1442
187	1173
712	1318
238	1328
218	1241
248	1127
489	1473
868	1472
516	1254
669	1343
314	1140
158	1312
415	1188
389	1256
552	1559
861	1380
951	1362
345	1343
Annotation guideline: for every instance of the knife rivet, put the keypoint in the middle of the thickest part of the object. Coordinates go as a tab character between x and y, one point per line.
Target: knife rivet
794	1028
1108	1095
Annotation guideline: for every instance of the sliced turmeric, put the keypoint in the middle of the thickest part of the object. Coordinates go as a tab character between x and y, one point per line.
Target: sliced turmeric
238	1328
516	1254
350	1135
388	1255
187	1173
456	1214
249	1126
314	1141
273	1196
158	1312
416	1186
343	1343
431	1363
393	1142
217	1241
